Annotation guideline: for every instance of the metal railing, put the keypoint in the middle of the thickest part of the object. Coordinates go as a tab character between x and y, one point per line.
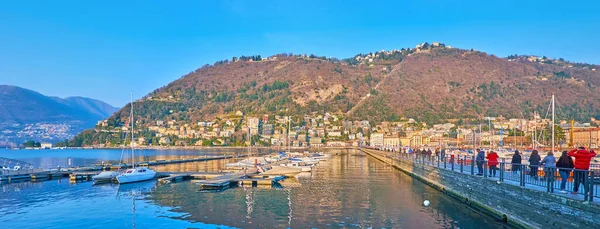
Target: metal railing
551	179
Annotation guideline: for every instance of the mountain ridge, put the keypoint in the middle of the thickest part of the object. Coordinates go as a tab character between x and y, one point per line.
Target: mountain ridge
30	115
431	83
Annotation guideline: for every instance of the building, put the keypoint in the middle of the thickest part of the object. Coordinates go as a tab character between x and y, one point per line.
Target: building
253	122
376	139
267	129
46	145
391	142
589	138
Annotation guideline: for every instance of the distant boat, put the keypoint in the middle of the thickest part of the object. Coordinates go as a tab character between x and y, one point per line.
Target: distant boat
135	174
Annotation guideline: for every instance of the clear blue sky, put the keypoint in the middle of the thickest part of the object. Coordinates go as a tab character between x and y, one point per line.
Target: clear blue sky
106	49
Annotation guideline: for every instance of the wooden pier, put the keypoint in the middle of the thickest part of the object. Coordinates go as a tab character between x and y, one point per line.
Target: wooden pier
33	175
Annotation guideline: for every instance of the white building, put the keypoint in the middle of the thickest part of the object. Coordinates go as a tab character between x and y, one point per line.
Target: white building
376	139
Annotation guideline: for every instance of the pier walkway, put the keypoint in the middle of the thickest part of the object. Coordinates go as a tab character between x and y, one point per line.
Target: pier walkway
521	203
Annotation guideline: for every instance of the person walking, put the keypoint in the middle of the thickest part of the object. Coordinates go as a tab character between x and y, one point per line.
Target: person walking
564	165
516	162
480	159
534	163
582	165
492	162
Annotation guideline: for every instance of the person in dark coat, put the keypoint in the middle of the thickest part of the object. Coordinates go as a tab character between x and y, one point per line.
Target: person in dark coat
534	163
516	162
565	165
480	159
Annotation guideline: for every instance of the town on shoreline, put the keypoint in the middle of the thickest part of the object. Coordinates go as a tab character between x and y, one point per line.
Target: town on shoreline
333	130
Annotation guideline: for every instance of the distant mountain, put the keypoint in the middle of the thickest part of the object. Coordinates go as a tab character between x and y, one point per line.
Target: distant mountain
25	109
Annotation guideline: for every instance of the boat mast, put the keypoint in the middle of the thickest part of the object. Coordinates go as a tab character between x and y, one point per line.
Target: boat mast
552	123
534	130
289	130
132	151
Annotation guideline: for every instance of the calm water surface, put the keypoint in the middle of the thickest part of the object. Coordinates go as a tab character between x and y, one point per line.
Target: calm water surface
84	157
350	190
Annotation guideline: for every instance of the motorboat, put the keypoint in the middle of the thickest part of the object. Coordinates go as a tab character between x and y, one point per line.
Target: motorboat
320	156
106	176
306	160
301	165
280	170
240	164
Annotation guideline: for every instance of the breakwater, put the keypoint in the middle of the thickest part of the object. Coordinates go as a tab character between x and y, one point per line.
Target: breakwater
518	206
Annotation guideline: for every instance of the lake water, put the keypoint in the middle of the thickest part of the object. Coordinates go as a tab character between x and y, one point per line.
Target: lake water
350	190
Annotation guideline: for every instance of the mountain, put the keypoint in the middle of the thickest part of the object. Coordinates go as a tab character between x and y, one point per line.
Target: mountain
432	83
27	114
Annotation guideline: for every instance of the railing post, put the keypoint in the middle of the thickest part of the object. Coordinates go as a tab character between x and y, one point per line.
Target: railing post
485	169
521	175
444	162
462	161
502	167
452	163
591	186
548	188
472	165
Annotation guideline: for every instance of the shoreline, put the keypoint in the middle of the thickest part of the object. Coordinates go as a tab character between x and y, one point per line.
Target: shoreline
190	148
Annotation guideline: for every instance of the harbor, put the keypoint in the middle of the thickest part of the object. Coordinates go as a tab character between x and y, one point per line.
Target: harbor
340	189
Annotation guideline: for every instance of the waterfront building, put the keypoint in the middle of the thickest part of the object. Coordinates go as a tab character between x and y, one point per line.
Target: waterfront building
376	139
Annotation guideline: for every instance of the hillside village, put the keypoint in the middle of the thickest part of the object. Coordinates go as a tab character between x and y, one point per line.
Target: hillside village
331	130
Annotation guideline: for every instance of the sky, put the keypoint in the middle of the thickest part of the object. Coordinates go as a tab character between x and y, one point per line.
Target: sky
108	49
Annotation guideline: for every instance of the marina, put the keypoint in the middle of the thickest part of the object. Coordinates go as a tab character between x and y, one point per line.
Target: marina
341	188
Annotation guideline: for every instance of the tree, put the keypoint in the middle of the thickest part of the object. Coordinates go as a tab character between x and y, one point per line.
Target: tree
31	143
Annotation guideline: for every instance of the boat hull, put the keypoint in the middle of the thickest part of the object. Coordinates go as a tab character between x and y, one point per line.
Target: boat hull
105	176
123	179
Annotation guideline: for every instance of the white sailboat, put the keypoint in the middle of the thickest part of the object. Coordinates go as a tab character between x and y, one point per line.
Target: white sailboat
135	174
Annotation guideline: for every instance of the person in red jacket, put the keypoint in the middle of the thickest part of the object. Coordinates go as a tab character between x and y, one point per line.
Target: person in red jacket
582	164
492	162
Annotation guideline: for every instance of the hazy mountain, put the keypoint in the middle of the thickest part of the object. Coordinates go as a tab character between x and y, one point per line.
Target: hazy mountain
24	111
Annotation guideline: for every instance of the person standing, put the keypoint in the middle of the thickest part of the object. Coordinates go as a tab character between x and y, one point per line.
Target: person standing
582	165
492	162
516	162
549	164
443	154
564	165
534	163
480	159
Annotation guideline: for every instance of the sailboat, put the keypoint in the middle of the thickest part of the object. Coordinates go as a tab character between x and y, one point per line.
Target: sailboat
135	174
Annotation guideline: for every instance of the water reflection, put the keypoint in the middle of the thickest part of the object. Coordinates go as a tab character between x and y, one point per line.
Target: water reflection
349	191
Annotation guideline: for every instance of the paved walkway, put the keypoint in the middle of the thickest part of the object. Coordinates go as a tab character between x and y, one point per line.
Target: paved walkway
509	178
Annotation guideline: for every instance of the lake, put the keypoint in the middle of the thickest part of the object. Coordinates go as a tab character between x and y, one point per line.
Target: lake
350	190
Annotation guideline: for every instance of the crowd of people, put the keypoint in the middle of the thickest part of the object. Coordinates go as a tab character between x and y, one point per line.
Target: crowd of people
576	161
